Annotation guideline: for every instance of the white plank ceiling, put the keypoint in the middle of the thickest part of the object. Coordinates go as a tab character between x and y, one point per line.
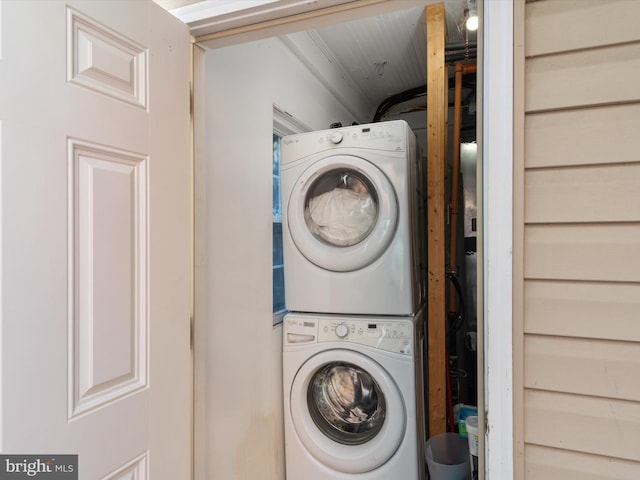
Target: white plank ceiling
378	56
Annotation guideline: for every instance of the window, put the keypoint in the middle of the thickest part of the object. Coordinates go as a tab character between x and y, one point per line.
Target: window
283	124
278	260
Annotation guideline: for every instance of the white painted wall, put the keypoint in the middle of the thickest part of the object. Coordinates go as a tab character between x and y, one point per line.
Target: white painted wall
244	429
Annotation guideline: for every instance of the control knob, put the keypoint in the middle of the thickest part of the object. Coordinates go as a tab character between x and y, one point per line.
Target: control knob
336	137
342	330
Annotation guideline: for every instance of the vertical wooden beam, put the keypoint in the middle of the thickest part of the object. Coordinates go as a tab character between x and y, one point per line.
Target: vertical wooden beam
437	110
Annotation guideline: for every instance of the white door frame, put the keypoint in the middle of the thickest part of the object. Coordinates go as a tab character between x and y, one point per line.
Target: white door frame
496	262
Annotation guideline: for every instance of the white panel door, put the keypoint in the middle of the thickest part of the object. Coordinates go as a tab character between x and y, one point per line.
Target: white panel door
95	172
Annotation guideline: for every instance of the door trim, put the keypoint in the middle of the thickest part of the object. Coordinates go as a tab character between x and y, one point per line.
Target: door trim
495	287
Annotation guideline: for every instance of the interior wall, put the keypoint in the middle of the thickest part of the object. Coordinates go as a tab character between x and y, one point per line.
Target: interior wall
243	410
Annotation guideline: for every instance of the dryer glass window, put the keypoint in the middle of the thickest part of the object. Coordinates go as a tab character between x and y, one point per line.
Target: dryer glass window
346	403
341	207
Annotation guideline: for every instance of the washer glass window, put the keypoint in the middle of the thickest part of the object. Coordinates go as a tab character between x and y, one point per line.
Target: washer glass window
346	403
341	207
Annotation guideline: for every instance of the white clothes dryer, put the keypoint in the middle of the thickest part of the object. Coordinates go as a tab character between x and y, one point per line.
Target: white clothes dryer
353	397
353	220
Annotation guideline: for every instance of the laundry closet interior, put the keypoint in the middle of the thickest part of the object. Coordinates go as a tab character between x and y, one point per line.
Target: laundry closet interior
271	104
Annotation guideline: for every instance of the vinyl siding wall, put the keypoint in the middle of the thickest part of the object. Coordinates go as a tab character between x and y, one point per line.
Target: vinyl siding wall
578	386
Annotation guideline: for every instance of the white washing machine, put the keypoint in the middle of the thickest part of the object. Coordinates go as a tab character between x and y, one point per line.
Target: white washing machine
353	220
353	397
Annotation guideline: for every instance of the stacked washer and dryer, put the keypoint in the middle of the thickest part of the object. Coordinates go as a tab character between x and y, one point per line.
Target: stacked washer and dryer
354	341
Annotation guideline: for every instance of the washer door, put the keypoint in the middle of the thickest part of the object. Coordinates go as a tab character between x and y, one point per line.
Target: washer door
342	213
347	411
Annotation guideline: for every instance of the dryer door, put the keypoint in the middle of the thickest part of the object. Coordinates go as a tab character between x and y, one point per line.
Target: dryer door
347	411
342	213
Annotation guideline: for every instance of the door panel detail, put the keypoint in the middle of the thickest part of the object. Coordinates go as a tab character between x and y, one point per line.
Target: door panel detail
134	470
96	238
107	275
103	60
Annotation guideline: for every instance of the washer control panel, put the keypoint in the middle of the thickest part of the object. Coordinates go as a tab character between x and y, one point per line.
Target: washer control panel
390	335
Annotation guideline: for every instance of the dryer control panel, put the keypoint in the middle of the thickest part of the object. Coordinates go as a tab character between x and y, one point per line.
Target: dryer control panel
384	136
390	335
